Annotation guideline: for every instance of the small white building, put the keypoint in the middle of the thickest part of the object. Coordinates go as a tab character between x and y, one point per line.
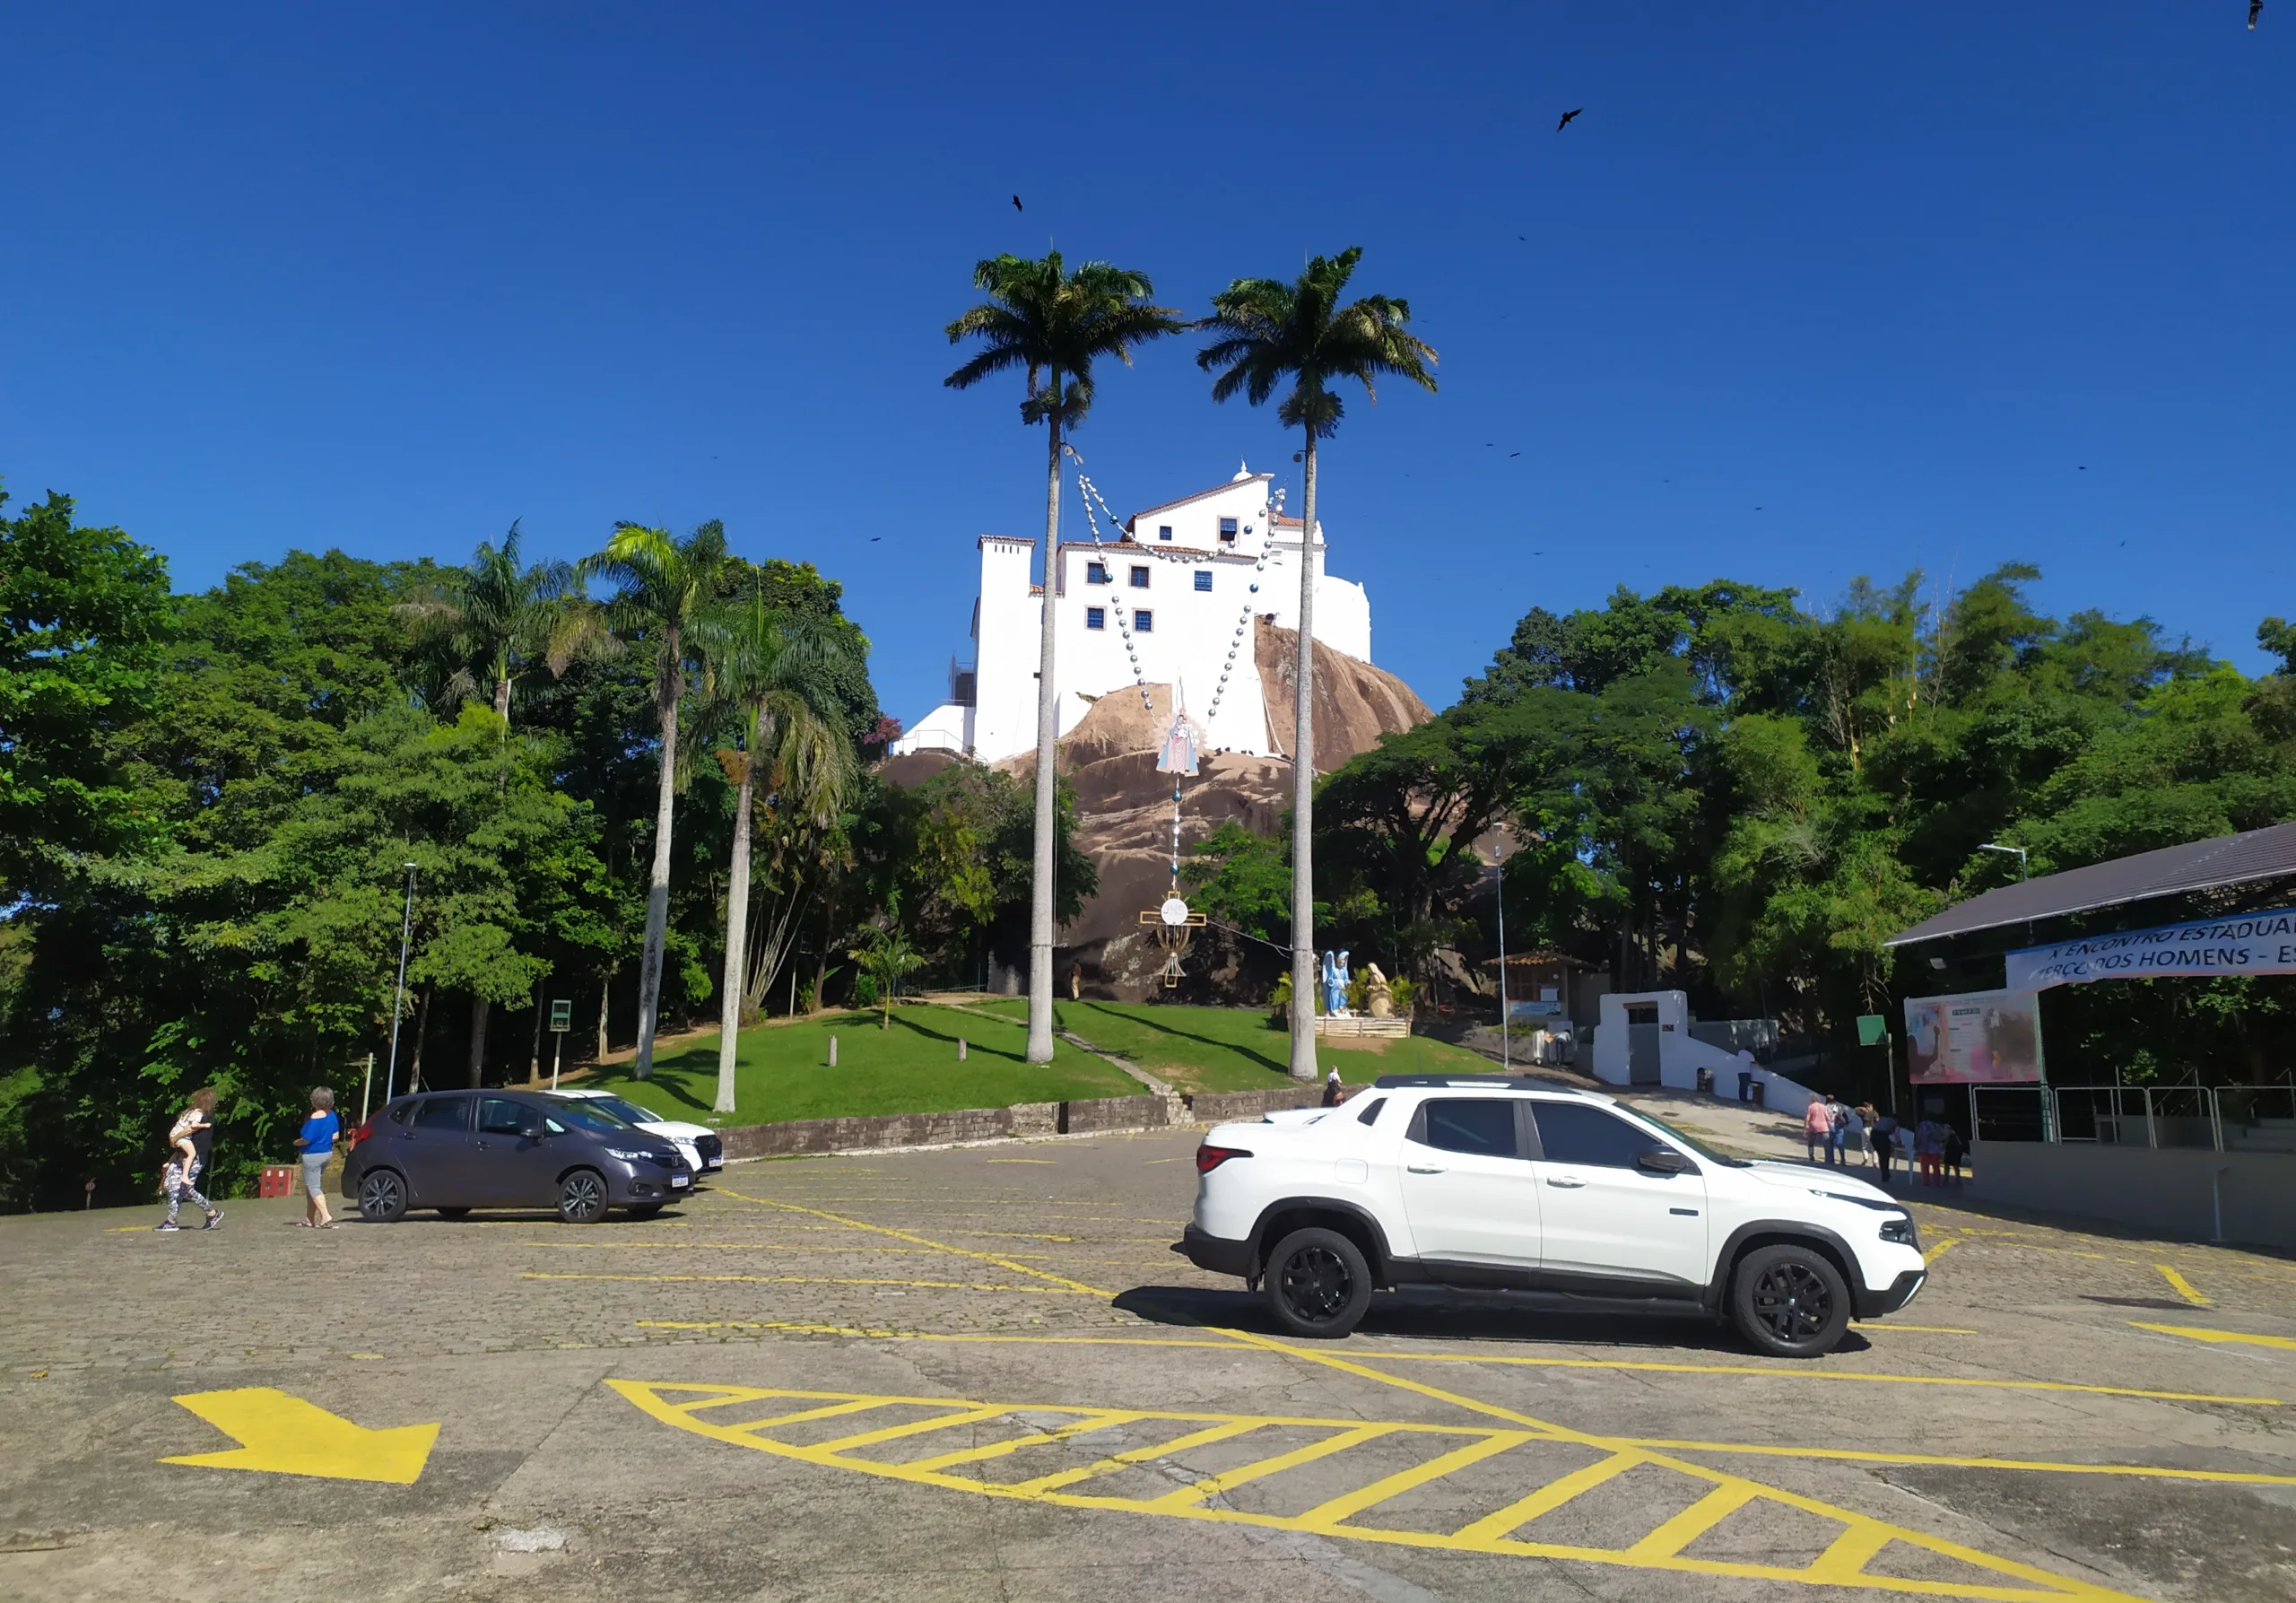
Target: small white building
1180	577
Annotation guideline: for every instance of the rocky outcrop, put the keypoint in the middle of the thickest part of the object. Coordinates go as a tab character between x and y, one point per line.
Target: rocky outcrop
1125	807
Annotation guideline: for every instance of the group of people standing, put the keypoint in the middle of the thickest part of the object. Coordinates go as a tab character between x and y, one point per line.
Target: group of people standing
1845	1136
191	1147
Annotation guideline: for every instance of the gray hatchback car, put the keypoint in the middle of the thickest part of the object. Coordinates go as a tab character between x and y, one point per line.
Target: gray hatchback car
458	1150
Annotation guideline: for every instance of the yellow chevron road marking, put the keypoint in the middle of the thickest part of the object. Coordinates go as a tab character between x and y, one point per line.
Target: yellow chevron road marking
2181	1286
1845	1560
2198	1333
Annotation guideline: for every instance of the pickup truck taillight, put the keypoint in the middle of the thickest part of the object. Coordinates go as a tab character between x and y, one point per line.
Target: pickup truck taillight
1209	1157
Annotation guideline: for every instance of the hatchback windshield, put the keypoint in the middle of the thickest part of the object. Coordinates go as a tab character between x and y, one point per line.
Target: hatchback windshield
584	1113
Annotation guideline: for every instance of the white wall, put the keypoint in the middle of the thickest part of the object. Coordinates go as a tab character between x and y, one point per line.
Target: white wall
1682	1055
948	728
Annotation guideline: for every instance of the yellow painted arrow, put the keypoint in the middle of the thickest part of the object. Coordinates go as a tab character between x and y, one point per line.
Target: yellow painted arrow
285	1436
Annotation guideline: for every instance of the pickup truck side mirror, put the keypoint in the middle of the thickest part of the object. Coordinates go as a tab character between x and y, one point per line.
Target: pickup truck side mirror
1664	1160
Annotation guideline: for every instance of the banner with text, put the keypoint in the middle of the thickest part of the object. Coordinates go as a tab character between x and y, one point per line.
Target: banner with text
1981	1037
2250	944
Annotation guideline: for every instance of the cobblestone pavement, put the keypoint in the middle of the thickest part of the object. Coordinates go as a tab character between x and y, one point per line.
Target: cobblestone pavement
980	1373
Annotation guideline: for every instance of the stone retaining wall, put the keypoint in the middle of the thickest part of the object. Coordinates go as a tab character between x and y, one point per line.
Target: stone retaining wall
804	1137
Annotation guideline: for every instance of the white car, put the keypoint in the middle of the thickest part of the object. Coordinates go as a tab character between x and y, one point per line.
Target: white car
1483	1183
698	1144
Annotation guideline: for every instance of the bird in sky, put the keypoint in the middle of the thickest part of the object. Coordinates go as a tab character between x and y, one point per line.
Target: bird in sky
2082	469
2255	6
1514	453
874	538
1566	119
1016	203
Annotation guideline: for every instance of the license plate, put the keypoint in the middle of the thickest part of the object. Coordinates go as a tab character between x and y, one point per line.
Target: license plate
677	1181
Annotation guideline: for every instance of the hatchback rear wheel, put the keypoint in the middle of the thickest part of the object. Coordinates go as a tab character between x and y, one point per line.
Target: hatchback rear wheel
1790	1302
582	1197
382	1196
1318	1283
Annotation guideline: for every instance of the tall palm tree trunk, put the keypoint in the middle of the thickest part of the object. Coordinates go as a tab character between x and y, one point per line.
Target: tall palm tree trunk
1304	791
737	928
1040	1048
658	893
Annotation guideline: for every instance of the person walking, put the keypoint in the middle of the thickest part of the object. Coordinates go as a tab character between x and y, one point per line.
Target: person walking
1905	1147
1817	1128
1956	1148
1837	1118
191	1143
318	1142
1853	1137
1886	1143
1929	1149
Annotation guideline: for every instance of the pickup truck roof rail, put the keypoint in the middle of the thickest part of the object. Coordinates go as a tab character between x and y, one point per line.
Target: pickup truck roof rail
1509	1082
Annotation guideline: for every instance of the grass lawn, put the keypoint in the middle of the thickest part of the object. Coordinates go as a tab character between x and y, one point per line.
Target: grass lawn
782	1071
1235	1048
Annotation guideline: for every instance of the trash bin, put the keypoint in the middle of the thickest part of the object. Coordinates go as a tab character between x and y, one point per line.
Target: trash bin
278	1180
1759	1096
1745	1085
1706	1082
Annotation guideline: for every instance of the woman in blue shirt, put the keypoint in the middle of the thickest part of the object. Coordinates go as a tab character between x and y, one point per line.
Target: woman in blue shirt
318	1142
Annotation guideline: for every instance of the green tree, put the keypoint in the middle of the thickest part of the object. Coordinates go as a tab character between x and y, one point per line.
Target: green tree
886	955
779	674
1053	326
82	614
667	585
1266	333
494	618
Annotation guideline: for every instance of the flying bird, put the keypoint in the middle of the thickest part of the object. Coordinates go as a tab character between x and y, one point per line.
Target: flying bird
1514	453
1016	203
2254	7
874	538
1566	119
2083	469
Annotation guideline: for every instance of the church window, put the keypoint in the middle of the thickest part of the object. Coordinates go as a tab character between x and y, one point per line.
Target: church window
1140	577
1096	617
1096	573
1143	621
1204	578
1227	530
1164	531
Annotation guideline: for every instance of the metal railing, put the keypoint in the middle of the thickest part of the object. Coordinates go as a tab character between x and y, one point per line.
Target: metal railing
2222	1118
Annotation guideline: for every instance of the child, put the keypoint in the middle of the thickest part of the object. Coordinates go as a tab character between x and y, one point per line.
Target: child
189	1142
318	1142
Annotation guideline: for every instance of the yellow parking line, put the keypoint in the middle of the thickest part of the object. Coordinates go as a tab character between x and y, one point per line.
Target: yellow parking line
2182	1286
1868	1329
1940	1250
1627	1364
930	1286
2197	1333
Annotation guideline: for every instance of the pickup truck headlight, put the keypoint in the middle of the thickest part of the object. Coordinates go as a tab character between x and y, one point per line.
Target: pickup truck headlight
1901	1231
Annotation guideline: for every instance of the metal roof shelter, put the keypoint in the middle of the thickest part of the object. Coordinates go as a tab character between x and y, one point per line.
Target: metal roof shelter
2268	853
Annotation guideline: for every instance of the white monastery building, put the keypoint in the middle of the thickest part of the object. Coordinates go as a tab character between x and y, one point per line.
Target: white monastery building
1179	577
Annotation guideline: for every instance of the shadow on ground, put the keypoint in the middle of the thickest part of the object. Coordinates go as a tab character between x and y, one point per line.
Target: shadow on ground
1439	1316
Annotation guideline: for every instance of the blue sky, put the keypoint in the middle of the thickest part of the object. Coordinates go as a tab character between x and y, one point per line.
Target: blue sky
1809	291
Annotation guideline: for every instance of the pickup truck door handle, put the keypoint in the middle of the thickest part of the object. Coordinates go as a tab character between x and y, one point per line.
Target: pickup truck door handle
1563	1184
1422	1169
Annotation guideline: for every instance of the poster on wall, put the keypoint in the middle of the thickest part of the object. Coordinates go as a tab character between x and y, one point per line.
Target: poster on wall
1981	1037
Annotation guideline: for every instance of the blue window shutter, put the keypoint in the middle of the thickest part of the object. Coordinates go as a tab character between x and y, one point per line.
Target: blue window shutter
1204	578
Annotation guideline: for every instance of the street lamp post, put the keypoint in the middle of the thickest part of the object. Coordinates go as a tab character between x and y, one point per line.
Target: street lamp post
2018	851
398	999
1506	1047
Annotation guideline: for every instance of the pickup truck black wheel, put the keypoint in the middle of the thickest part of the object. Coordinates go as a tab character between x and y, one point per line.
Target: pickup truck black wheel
382	1196
1789	1302
582	1197
1318	1283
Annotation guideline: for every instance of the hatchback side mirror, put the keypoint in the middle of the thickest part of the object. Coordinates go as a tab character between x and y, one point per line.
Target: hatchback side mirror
1663	1160
530	1132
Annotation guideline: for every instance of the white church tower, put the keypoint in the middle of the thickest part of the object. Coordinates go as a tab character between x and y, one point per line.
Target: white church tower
1180	577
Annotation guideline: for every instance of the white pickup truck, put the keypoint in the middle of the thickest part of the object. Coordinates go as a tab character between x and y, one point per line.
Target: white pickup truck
1480	1183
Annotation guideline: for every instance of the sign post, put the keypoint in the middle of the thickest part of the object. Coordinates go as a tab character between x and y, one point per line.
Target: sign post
561	1020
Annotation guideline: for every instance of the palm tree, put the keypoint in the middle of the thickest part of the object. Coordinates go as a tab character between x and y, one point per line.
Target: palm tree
668	584
494	614
777	673
1052	323
491	612
886	956
1267	331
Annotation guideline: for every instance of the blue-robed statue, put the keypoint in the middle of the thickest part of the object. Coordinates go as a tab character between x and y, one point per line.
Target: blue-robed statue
1335	978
